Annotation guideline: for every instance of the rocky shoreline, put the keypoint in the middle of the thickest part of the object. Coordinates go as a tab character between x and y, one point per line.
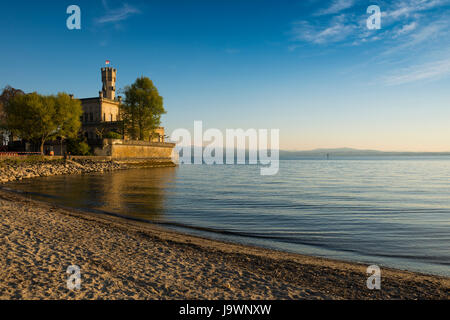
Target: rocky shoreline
11	170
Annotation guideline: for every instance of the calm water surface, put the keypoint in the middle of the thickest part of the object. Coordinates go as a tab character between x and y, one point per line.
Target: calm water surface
390	212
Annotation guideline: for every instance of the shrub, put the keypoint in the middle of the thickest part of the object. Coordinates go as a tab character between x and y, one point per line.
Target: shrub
78	147
113	135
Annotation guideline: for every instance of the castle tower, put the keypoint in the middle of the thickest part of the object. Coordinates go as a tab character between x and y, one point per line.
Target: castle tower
109	82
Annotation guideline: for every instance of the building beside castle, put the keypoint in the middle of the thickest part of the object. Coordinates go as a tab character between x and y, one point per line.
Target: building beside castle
102	114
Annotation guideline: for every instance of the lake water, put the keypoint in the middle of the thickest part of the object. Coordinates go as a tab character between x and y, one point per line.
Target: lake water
390	212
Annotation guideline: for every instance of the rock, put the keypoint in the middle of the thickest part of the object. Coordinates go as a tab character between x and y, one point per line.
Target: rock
11	172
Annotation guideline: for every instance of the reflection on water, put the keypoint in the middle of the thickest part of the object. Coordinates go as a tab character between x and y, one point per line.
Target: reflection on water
393	212
138	193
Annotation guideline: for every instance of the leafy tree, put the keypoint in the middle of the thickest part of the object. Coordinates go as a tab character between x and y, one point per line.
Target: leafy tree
39	118
8	93
142	109
67	117
78	146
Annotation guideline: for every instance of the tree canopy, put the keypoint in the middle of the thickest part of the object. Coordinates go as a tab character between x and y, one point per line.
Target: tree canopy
8	93
142	109
39	118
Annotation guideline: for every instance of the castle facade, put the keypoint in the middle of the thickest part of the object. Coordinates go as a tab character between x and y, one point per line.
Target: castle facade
102	114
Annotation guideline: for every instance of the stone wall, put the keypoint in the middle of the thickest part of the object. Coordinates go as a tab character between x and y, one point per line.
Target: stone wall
125	149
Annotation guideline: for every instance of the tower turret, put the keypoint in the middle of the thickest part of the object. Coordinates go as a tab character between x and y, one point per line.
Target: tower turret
109	82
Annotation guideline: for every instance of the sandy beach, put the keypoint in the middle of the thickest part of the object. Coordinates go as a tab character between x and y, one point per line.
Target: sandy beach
122	259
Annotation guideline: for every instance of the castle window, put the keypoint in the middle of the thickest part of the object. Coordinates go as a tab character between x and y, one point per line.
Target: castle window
111	117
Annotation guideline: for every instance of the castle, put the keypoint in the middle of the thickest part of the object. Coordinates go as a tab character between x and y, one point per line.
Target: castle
102	114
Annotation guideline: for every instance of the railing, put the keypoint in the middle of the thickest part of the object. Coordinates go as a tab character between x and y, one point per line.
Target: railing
18	154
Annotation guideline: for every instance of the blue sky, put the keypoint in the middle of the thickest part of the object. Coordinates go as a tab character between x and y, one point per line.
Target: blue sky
310	68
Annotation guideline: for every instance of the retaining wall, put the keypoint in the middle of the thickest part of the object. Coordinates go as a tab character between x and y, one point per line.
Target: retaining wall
127	149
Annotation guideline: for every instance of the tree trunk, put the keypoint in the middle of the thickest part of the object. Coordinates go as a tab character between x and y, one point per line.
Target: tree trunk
42	147
141	132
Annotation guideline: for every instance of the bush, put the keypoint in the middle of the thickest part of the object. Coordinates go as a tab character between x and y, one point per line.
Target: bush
78	147
113	135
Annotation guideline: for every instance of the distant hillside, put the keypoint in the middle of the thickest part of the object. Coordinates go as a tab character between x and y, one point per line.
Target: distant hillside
349	152
334	153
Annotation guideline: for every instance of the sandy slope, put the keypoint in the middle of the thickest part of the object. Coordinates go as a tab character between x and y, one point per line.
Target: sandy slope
128	260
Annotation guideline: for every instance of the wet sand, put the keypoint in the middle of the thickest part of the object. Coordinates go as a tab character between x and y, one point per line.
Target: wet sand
122	259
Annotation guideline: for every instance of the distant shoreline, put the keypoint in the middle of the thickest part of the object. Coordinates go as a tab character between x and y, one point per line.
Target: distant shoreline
123	259
298	155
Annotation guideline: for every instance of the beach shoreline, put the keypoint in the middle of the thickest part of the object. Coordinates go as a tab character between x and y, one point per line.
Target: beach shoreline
124	259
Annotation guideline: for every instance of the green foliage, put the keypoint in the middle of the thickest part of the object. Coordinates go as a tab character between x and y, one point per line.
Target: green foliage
78	147
113	135
142	109
68	113
8	94
39	118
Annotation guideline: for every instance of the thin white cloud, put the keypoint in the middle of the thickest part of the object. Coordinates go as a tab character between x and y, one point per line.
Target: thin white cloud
428	32
408	8
116	15
435	32
105	4
337	30
407	28
336	7
405	24
430	71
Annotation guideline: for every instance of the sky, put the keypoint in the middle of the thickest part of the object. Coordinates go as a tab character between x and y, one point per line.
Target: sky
310	68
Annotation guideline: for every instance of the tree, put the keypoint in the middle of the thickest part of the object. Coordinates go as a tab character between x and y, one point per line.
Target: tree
68	113
39	118
142	109
8	93
67	117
